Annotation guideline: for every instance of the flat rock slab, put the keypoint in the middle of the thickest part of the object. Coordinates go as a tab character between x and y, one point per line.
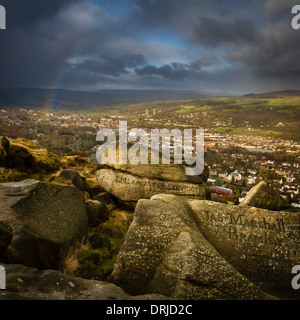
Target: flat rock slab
23	283
128	187
168	172
198	249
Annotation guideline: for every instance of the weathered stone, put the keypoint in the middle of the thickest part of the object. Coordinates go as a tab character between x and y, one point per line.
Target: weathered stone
265	197
47	220
23	283
21	158
168	172
97	212
263	245
26	156
76	179
5	236
197	249
128	187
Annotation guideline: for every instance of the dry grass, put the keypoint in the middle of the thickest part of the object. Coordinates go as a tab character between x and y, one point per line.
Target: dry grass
71	263
91	262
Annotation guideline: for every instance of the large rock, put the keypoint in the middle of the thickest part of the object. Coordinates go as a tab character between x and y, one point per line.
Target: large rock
97	212
23	283
26	156
264	196
76	179
128	187
46	219
197	249
167	172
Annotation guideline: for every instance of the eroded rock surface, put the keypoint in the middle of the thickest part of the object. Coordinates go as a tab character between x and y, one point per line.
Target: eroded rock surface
97	212
198	249
46	221
75	178
265	197
128	187
24	283
26	156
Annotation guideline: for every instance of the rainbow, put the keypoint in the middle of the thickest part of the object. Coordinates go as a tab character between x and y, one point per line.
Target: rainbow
58	81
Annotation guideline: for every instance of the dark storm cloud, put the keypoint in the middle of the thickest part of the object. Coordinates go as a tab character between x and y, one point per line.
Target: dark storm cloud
165	71
276	55
278	9
221	43
115	66
178	71
204	61
35	52
27	13
214	32
259	40
180	16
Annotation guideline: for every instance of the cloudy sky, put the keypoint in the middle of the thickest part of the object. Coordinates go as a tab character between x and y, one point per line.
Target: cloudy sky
234	46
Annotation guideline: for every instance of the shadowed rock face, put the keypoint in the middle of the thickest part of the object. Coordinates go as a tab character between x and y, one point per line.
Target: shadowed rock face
194	249
265	197
75	178
128	187
5	236
97	212
46	221
25	156
23	283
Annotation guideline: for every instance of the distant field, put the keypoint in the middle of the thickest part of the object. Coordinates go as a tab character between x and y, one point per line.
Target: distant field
275	114
245	131
266	116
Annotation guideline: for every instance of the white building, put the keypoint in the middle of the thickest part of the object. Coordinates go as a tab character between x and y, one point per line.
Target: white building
234	175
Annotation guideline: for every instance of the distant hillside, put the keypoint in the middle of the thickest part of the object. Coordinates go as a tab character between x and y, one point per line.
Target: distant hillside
59	99
274	94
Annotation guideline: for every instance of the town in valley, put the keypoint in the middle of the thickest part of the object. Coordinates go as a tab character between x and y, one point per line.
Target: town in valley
247	139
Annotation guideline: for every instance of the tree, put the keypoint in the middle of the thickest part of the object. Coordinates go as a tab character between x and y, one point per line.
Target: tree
244	183
238	193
